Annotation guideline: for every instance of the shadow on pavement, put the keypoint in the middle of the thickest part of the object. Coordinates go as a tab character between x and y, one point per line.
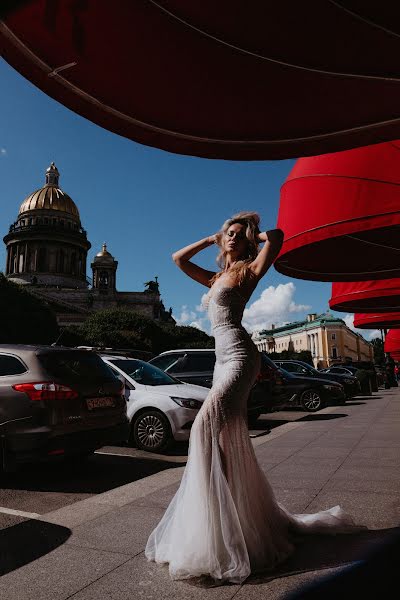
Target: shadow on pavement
322	417
315	553
27	541
374	575
98	474
263	424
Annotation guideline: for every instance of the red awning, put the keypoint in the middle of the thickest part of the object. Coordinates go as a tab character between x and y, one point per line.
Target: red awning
341	216
366	296
233	80
392	341
377	320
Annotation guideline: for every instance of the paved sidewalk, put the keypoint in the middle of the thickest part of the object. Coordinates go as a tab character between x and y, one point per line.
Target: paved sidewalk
347	455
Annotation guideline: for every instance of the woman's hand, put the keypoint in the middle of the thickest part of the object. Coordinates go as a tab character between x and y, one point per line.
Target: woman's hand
212	239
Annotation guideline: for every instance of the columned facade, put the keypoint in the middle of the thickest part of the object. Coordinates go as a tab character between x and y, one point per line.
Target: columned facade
327	338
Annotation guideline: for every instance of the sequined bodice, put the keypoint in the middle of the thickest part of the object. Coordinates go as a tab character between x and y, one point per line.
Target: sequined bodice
225	306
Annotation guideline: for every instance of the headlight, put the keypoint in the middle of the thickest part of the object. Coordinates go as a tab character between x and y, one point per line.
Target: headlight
187	402
348	380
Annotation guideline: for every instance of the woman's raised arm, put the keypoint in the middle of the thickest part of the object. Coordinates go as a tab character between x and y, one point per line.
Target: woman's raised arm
181	259
273	243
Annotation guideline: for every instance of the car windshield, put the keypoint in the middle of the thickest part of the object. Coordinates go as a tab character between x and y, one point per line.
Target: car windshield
144	373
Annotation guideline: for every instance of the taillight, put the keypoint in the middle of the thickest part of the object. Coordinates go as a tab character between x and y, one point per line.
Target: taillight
46	390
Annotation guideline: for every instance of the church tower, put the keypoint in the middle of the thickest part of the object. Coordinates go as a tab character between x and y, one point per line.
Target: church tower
104	268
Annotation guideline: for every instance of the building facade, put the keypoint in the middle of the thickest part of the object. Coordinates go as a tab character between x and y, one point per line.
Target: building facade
328	339
47	251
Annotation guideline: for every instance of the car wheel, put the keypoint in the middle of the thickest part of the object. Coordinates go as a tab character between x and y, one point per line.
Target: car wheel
151	431
311	400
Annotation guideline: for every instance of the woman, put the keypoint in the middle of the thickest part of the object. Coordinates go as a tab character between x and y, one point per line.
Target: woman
224	520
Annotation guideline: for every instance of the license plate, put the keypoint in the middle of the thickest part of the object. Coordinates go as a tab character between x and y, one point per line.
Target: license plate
105	402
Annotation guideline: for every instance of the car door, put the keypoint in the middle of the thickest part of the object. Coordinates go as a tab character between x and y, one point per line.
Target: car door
196	367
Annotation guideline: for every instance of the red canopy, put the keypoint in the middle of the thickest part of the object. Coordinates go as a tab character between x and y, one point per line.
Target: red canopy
341	215
366	296
234	80
392	341
377	320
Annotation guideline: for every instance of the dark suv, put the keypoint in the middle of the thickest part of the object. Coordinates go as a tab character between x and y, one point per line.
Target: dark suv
197	366
298	367
57	401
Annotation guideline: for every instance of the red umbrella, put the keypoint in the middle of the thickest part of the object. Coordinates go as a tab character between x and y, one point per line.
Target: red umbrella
231	80
341	215
392	341
366	296
377	320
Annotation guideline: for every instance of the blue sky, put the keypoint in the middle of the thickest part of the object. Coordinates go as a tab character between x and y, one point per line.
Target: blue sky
145	203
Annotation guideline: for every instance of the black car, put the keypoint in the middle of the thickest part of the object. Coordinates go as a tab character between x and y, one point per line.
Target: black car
364	376
195	365
363	365
298	367
309	393
273	390
57	402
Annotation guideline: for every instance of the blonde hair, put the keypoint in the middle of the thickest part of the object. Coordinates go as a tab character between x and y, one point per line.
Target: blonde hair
250	221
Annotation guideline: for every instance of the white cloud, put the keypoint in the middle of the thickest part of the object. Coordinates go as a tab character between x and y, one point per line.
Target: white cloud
276	305
368	334
374	333
3	152
186	315
192	318
349	320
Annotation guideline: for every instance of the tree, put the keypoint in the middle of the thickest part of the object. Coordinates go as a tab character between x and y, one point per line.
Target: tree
303	355
118	328
24	319
379	354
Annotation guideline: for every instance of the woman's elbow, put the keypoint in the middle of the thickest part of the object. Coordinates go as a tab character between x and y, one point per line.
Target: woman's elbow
176	258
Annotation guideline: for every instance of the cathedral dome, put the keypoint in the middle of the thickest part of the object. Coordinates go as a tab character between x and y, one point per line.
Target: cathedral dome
50	196
104	256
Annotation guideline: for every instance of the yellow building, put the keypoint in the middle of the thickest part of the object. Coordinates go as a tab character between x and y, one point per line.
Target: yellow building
327	338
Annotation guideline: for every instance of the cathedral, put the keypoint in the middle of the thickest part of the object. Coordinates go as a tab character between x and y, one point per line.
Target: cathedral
47	250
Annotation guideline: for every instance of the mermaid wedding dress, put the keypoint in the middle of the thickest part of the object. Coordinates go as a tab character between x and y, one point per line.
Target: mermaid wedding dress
224	520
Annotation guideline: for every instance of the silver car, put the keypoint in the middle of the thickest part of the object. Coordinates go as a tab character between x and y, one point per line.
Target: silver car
160	408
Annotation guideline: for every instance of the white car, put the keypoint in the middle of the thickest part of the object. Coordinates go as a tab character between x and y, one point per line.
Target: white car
160	408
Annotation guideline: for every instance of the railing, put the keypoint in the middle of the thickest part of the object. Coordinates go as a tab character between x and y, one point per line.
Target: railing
46	226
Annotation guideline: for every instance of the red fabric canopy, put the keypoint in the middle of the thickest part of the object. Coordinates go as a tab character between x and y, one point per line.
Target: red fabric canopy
392	341
341	215
234	80
366	296
377	320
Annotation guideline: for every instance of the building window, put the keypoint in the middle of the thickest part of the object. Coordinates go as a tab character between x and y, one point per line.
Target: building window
334	352
333	336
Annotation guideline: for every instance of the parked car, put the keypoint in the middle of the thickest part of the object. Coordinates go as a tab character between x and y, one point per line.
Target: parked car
195	365
362	375
57	401
160	408
272	391
311	393
350	383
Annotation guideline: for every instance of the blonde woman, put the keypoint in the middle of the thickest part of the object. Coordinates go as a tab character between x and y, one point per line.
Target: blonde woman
224	520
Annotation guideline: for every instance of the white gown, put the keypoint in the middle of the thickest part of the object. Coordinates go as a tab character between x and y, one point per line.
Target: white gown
224	520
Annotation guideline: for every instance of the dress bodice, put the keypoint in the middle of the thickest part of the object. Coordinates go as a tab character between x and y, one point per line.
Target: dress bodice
225	306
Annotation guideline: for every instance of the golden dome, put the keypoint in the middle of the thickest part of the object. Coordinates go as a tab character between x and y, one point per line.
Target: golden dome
104	255
50	196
